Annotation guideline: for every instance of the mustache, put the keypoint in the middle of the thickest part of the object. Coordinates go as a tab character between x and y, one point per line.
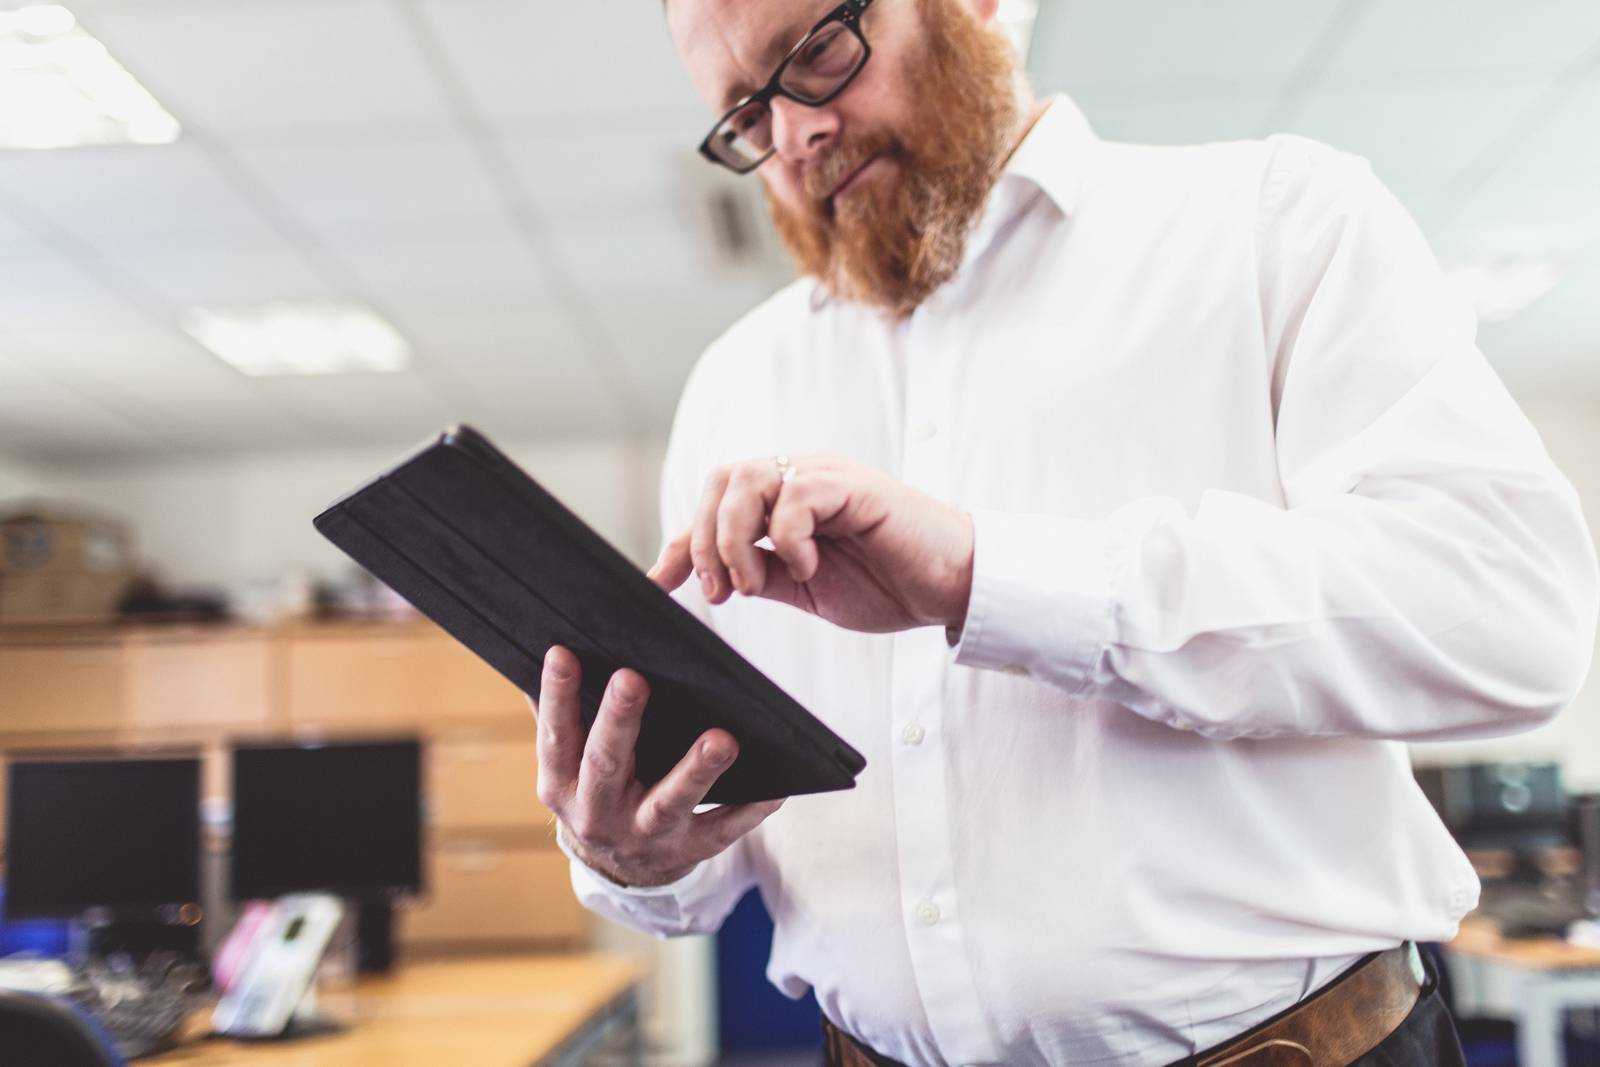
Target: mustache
838	164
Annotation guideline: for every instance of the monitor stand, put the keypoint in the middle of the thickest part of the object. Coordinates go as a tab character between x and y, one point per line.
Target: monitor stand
374	935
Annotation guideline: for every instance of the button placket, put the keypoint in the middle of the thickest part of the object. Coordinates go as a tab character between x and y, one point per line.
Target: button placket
935	937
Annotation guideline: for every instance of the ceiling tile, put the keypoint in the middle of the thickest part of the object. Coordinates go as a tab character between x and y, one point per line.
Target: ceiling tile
1547	186
219	271
667	326
1417	139
628	247
236	69
182	404
597	172
1562	149
12	229
1139	117
40	286
486	260
120	191
1227	45
416	185
39	417
517	364
569	64
362	407
1420	40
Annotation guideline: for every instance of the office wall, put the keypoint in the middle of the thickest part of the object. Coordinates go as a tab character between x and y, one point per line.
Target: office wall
232	521
1571	431
15	480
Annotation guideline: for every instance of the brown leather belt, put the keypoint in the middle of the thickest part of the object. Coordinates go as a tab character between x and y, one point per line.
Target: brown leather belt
1334	1027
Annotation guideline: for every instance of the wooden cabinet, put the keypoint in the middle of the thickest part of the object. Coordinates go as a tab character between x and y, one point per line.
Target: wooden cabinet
455	685
197	680
481	781
495	877
481	894
357	676
62	688
385	675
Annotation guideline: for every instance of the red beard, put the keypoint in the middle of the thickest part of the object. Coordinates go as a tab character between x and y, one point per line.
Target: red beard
902	234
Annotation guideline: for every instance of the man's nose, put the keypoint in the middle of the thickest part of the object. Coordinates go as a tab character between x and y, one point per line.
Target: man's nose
800	133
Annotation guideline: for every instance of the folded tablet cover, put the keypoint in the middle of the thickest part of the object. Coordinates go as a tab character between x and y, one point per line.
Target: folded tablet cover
481	549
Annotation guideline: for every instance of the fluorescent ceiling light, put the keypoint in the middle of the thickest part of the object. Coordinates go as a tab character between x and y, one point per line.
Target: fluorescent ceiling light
60	88
1499	287
1016	18
316	338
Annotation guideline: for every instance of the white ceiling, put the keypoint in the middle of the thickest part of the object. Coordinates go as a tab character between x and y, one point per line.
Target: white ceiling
504	179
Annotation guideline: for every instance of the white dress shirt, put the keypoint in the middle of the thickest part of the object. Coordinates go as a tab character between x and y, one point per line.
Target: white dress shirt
1251	510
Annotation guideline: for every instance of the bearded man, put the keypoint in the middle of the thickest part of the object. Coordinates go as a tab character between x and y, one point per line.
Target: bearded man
1128	507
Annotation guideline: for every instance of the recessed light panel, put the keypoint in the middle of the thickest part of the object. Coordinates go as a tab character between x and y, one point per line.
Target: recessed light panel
60	88
285	339
1501	286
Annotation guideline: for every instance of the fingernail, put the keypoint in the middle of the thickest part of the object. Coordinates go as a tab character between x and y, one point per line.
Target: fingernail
738	582
713	753
707	586
555	665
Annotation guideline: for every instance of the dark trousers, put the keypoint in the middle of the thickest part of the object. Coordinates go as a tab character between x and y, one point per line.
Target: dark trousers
1428	1035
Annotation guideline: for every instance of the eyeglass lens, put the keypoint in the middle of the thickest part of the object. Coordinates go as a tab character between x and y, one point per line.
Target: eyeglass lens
828	59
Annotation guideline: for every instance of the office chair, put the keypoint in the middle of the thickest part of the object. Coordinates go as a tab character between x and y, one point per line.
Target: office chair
43	1032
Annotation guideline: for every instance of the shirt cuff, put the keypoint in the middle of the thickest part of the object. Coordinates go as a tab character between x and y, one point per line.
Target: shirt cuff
1041	600
587	881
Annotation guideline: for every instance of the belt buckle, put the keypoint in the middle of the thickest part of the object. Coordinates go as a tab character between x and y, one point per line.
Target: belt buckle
1275	1053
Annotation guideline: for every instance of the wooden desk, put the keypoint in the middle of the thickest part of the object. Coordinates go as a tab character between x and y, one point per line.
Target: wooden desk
1534	980
514	1011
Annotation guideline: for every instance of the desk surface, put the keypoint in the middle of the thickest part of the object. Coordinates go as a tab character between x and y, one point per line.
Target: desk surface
1480	938
493	1012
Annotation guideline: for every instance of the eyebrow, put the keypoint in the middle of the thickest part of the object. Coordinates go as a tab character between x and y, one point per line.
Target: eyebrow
777	47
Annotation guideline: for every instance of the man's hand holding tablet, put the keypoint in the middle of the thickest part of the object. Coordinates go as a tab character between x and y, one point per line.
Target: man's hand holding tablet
633	834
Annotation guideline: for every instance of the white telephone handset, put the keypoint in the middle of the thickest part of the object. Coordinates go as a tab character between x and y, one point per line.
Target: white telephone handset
276	969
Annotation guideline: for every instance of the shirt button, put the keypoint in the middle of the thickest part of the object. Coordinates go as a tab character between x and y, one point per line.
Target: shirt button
927	431
913	734
1016	669
927	913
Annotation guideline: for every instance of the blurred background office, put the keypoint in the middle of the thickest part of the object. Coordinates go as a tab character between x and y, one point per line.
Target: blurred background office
252	250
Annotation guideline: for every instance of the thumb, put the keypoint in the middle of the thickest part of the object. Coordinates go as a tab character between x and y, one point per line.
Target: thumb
673	567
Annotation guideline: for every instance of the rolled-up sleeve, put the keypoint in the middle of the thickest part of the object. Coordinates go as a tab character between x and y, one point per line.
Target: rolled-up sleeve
1427	573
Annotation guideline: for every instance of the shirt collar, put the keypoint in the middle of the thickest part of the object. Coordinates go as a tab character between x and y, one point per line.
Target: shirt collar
1054	154
1050	159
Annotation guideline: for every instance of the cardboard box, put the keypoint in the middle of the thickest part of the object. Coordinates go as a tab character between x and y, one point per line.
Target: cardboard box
77	597
39	542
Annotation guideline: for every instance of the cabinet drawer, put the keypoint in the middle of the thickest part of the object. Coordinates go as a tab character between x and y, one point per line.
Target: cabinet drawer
224	681
456	684
65	688
416	677
355	679
493	894
485	782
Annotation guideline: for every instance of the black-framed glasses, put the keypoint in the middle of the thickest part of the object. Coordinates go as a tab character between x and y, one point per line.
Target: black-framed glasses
815	71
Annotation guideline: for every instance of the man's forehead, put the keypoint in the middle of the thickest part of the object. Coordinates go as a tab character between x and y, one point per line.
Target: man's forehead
731	46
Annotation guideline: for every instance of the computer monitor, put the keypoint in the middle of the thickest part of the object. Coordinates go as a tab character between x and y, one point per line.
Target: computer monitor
340	818
1517	806
119	834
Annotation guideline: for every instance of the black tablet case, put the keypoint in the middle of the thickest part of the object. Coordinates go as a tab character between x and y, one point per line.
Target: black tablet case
481	549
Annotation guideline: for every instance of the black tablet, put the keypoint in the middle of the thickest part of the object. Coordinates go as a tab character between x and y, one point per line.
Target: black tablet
481	549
